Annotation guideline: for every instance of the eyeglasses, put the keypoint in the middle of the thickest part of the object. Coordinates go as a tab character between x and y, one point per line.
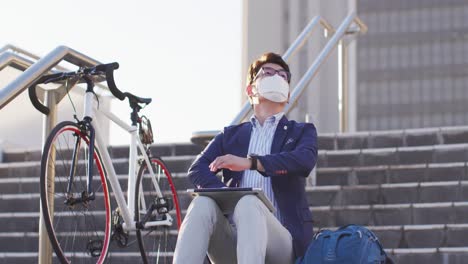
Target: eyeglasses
268	71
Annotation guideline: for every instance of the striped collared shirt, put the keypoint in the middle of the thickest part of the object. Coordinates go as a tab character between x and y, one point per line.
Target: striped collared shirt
260	144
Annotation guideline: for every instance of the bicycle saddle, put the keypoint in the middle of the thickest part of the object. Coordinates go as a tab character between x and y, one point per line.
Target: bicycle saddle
135	99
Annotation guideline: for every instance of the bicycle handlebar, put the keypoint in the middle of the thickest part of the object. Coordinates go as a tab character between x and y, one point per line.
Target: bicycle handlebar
108	69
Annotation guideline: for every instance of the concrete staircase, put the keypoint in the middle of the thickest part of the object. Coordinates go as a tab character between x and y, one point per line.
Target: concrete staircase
409	186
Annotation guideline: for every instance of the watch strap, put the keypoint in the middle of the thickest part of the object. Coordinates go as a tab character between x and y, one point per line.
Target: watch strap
254	161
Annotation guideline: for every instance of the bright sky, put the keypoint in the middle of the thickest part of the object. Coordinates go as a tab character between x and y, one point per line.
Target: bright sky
184	54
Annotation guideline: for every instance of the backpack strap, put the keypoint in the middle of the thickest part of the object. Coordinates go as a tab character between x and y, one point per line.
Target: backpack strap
331	252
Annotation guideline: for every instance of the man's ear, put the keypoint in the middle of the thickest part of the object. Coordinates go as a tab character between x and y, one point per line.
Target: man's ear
252	94
249	91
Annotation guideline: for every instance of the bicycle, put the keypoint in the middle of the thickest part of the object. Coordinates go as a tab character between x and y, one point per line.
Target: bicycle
76	206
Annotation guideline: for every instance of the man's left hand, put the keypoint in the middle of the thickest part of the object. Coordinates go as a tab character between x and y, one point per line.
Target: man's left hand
230	162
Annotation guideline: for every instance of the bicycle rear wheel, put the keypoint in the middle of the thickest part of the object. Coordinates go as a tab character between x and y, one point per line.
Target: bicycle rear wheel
156	243
78	226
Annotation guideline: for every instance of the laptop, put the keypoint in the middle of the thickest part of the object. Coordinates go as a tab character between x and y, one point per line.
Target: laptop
227	198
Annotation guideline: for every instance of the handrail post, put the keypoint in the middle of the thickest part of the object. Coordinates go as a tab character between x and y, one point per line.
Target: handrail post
45	247
343	93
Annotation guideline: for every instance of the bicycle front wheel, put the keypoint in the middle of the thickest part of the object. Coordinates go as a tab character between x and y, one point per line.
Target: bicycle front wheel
78	223
157	243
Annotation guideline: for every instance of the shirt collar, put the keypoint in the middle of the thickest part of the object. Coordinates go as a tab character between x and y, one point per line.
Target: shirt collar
274	119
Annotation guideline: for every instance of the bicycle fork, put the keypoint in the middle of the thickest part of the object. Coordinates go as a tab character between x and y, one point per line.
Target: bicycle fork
88	194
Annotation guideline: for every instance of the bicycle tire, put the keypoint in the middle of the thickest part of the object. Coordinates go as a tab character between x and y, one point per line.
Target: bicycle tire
157	243
79	232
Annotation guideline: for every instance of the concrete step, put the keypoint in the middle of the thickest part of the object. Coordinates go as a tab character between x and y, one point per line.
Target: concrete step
13	200
332	177
456	171
391	214
336	195
158	150
175	164
30	185
327	159
400	256
397	236
429	255
428	192
393	156
399	241
393	138
112	258
23	172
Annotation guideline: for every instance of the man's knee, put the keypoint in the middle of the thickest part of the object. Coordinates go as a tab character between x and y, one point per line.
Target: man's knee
203	206
247	203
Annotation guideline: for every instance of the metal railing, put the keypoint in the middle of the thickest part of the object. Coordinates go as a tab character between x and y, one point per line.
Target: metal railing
350	25
32	72
19	51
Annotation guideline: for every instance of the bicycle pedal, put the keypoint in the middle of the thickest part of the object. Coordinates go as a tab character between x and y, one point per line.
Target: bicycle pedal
94	247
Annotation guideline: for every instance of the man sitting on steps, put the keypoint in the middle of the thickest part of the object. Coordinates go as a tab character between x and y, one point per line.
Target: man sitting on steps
268	152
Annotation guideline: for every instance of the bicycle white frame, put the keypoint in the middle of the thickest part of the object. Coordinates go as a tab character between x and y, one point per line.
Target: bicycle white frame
127	208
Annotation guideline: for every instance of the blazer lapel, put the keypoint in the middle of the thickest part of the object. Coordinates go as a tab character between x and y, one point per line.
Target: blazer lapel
280	135
244	139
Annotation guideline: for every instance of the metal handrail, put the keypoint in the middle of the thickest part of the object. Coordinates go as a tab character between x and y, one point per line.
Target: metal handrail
15	61
11	48
34	71
202	137
306	33
15	49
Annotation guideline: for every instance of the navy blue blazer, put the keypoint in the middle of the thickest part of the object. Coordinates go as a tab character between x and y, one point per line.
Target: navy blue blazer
293	156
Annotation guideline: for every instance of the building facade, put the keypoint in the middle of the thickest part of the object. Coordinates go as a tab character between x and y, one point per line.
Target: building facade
412	64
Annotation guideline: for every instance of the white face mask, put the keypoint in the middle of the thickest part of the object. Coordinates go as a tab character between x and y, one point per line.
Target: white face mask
273	88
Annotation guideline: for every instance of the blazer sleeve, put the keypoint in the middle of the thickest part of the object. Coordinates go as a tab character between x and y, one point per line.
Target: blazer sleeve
298	162
199	172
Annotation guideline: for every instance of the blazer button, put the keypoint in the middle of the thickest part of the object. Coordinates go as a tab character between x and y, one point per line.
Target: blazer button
285	127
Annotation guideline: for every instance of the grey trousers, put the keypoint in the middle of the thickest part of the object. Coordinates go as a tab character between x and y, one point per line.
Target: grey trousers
257	237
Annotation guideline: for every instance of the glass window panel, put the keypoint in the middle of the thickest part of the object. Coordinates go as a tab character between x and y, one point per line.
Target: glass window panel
426	58
447	52
437	90
458	52
394	22
425	95
393	60
459	119
383	61
447	90
415	91
404	56
383	23
445	18
465	15
405	93
393	92
448	119
457	17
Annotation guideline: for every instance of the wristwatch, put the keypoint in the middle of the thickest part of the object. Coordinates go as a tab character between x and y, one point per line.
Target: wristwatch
253	159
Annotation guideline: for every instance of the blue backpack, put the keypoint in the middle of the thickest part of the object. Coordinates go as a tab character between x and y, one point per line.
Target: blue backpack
351	244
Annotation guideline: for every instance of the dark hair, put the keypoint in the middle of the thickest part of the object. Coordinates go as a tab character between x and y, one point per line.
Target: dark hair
268	57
